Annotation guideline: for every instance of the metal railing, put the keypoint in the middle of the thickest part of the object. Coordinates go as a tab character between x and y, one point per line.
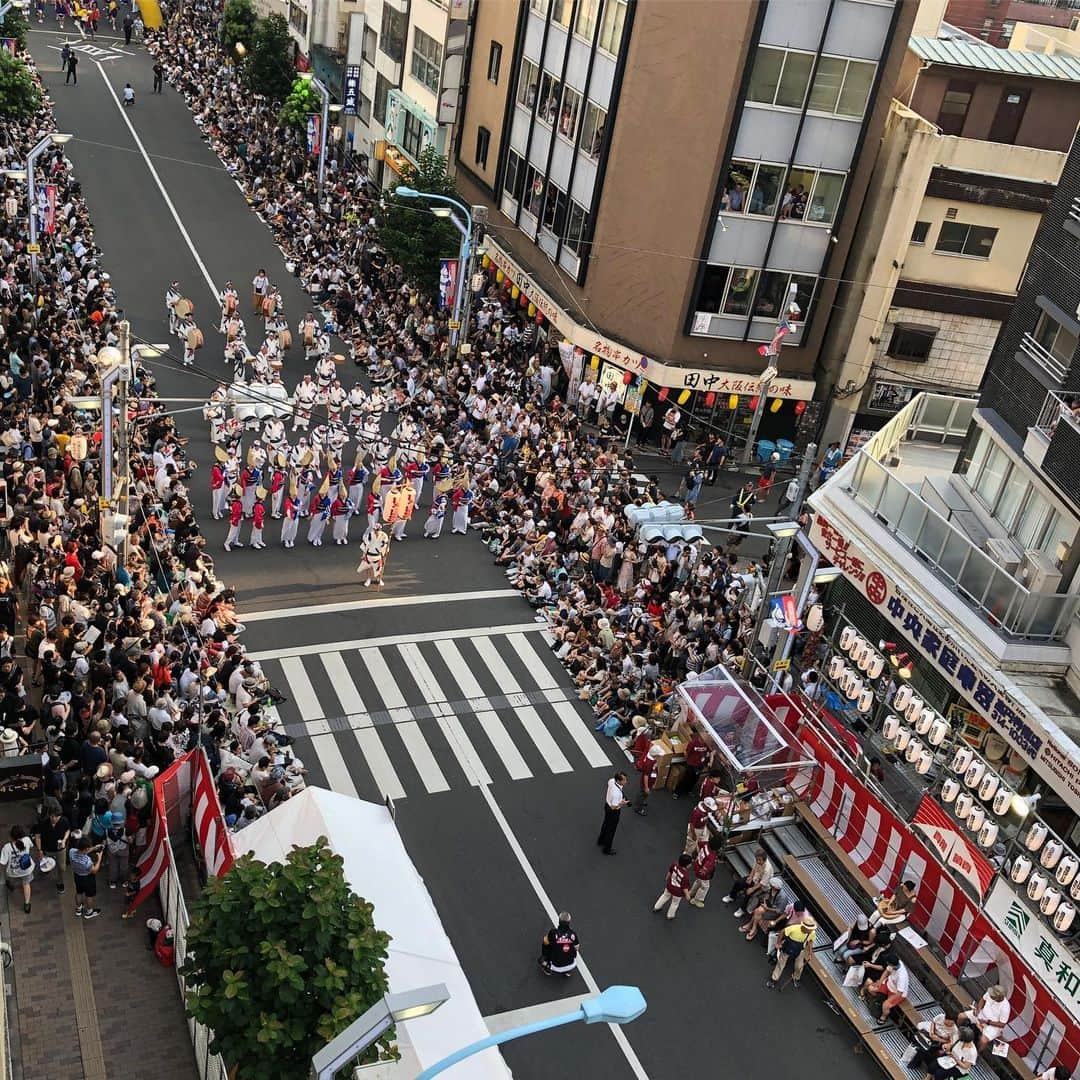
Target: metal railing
1054	410
1074	210
1056	368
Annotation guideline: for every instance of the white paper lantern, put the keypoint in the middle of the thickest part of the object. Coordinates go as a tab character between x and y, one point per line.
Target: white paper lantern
976	818
949	790
988	834
1036	835
1074	889
1049	902
924	721
854	688
963	806
902	699
974	773
1063	917
914	707
988	787
815	618
914	749
877	666
1036	887
938	730
926	759
1051	853
1066	869
961	759
858	643
1002	801
836	667
1021	867
903	737
890	727
866	700
847	637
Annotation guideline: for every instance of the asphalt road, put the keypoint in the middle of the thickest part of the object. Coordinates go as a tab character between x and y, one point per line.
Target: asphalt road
426	698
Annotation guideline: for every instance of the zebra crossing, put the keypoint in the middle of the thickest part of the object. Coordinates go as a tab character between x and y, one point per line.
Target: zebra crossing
428	713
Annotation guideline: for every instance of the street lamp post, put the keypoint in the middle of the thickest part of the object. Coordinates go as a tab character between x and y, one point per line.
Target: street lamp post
459	335
55	139
615	1005
320	88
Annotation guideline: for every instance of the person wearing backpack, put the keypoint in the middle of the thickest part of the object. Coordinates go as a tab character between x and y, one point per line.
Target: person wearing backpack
18	862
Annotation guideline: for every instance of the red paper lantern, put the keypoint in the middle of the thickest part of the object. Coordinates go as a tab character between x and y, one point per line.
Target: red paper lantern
539	319
710	399
662	396
627	378
753	403
800	408
523	300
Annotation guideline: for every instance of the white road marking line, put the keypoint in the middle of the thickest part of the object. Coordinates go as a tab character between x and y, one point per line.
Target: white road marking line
385	684
430	774
549	909
529	717
533	661
395	639
160	186
459	670
341	680
378	602
326	749
462	748
577	729
499	1022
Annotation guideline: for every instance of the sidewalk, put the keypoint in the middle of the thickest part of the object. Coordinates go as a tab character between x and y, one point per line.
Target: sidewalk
88	1001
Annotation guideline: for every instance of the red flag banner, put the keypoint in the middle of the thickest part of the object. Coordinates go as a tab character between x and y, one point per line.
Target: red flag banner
50	209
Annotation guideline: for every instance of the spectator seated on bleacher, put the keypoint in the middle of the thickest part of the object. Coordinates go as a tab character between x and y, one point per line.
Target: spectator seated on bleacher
768	911
855	944
894	910
958	1059
1055	1072
932	1039
745	892
891	988
882	956
797	913
989	1016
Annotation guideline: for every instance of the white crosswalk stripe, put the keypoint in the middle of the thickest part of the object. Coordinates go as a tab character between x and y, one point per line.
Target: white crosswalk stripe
388	702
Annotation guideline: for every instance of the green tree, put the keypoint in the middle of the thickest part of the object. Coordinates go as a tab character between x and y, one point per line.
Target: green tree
20	95
238	20
15	26
280	959
413	238
303	100
268	69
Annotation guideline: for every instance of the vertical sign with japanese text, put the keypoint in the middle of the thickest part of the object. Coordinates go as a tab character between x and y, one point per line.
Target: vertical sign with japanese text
351	94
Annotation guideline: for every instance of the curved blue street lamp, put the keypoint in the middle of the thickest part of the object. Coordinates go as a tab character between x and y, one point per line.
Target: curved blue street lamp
615	1005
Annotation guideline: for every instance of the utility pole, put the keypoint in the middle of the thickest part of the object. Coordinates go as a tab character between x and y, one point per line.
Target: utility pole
759	411
123	449
784	539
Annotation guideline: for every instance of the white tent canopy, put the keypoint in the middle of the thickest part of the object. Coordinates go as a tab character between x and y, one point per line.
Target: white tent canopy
379	869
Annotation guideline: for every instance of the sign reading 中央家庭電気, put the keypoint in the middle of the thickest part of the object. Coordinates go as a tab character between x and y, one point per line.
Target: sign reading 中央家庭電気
1039	946
1025	733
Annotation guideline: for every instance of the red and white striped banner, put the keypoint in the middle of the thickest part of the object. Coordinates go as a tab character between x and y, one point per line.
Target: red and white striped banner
154	858
888	852
209	821
952	846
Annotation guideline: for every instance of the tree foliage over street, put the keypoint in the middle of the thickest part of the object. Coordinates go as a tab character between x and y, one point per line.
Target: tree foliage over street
238	22
303	100
20	95
281	958
414	238
268	69
15	26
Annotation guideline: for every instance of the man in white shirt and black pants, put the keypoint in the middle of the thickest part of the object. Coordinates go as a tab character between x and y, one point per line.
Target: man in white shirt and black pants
613	804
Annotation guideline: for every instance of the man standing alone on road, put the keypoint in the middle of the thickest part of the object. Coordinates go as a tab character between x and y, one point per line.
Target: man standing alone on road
159	77
65	52
72	75
129	26
613	804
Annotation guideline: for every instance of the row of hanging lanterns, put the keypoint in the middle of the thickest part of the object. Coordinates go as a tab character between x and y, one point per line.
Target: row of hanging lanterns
514	290
1063	869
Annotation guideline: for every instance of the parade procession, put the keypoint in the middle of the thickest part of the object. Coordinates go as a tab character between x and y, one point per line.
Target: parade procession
285	456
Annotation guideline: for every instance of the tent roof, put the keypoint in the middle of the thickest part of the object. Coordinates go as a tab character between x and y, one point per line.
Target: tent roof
378	868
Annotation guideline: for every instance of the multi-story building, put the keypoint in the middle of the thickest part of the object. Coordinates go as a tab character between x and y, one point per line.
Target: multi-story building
663	205
965	171
995	22
957	531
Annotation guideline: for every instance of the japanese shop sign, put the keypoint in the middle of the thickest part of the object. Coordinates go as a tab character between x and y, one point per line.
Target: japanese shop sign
1037	943
352	89
1024	732
657	372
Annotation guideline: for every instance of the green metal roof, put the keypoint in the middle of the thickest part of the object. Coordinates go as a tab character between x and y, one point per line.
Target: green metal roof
987	58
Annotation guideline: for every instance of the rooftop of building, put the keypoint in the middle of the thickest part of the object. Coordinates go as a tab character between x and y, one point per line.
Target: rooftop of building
956	52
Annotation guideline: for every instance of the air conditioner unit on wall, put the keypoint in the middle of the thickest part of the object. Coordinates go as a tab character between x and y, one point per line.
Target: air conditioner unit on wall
1004	553
1039	572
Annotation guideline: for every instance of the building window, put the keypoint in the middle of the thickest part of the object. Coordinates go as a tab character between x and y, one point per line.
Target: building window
954	107
592	135
515	175
765	192
920	232
1059	342
412	135
712	289
382	94
539	6
494	61
737	290
570	113
392	34
369	44
775	295
812	196
576	228
780	78
555	206
426	60
993	476
550	92
911	342
483	142
1007	29
611	28
585	23
561	11
532	197
363	110
298	19
526	91
841	87
740	290
956	238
